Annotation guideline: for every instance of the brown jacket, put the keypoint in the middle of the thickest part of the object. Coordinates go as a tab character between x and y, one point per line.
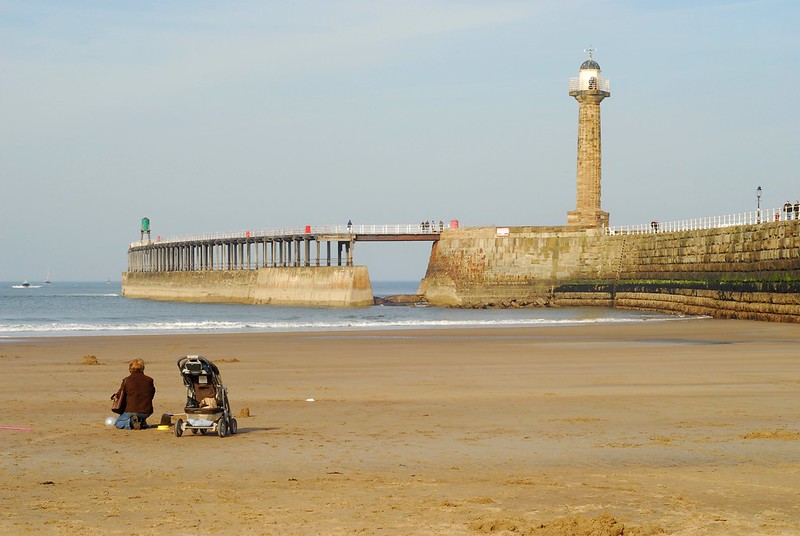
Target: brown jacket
139	393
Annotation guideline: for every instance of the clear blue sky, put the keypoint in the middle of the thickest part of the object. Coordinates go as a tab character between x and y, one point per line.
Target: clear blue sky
211	116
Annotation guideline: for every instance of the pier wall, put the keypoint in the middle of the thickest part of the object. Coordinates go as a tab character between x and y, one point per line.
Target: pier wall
329	286
750	271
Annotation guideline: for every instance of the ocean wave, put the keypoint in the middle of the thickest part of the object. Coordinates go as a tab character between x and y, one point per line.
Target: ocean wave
209	326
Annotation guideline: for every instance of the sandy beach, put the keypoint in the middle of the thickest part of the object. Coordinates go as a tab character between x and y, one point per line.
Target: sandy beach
680	427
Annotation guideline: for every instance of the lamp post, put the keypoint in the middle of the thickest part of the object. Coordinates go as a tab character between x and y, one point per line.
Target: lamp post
758	204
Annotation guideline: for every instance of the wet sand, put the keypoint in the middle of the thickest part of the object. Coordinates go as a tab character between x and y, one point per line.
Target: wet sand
684	427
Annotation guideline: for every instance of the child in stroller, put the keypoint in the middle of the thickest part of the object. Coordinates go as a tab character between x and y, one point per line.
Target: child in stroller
207	408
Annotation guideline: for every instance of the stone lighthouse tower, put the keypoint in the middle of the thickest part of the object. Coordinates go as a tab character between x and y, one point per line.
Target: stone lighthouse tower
589	89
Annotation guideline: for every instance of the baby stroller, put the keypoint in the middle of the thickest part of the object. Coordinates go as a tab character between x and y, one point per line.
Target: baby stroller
207	407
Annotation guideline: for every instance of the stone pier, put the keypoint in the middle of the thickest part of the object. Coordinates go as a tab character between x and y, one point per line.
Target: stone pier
324	286
743	271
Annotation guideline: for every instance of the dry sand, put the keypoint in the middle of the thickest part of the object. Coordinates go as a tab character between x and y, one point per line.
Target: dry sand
684	427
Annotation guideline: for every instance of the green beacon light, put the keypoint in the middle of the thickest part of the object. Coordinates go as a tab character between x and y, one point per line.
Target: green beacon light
145	229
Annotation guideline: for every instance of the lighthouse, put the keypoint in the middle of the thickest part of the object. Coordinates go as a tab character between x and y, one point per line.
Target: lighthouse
589	89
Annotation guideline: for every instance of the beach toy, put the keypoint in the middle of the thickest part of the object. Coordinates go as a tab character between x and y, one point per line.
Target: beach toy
163	427
110	421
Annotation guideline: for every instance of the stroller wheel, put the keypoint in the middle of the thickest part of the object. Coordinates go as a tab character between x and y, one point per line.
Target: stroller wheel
222	428
179	428
234	426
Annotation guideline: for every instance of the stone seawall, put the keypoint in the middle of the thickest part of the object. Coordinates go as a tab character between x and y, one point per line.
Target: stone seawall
328	286
474	266
734	272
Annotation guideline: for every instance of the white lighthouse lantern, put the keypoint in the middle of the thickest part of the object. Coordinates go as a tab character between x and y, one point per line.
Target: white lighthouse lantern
590	77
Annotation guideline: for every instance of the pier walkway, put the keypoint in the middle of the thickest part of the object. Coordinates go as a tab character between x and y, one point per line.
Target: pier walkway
249	250
313	245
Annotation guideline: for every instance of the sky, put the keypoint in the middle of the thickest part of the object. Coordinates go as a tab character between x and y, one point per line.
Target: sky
209	116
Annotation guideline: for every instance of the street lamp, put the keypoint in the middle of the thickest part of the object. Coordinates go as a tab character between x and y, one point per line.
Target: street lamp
758	203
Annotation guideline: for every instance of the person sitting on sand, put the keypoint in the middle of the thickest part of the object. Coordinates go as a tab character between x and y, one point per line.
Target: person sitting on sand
138	393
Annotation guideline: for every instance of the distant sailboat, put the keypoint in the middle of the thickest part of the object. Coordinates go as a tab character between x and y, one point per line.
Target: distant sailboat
108	281
47	278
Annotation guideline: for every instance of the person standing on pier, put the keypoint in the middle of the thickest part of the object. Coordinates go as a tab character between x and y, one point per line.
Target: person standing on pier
349	226
787	210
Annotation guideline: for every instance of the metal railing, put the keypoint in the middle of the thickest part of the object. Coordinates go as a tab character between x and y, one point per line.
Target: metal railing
754	217
599	84
392	229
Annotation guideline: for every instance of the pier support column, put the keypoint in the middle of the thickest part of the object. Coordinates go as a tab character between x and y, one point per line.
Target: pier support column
347	247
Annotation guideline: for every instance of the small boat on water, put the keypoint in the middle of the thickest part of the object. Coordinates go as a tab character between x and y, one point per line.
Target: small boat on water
25	284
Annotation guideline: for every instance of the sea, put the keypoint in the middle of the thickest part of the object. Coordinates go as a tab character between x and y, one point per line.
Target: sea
65	308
